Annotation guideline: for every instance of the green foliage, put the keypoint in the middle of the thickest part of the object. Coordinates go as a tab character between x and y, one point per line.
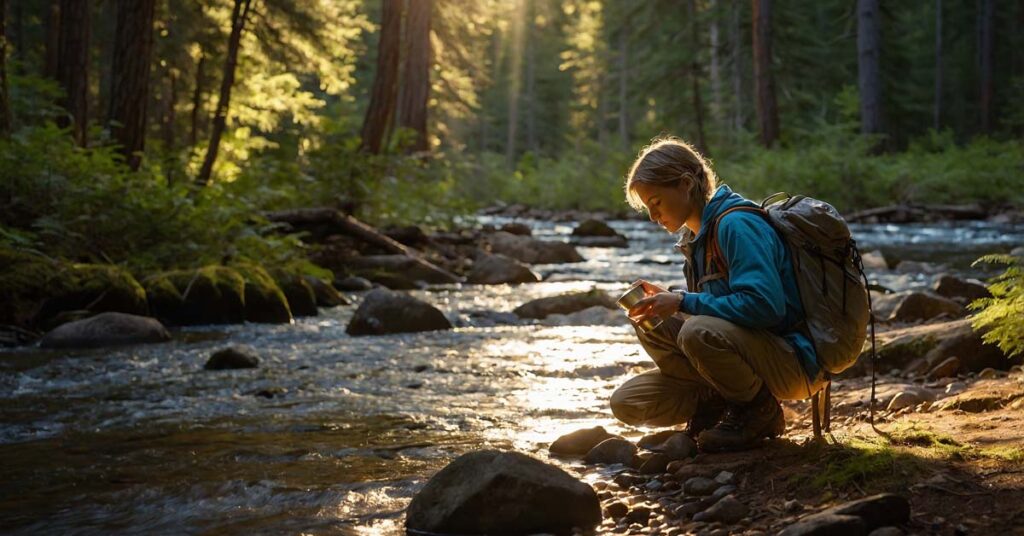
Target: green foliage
1002	316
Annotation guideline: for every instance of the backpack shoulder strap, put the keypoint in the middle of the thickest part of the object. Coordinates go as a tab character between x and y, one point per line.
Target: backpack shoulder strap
713	251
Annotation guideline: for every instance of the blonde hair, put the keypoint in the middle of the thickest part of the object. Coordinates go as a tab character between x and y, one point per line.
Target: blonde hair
665	162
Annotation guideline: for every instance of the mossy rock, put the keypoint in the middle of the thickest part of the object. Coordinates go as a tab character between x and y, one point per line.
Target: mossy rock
299	293
208	295
265	302
326	294
37	291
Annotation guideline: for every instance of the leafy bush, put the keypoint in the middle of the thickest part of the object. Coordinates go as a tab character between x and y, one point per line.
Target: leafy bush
1003	314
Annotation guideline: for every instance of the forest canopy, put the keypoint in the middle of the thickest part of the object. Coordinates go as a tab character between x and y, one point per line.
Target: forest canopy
191	118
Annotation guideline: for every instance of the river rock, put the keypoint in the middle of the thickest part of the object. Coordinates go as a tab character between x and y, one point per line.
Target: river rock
398	270
874	260
654	464
579	442
945	369
264	300
592	227
353	283
297	291
613	450
209	295
106	329
386	311
826	525
727	510
1018	252
516	228
674	444
964	290
530	250
876	511
326	294
882	305
906	399
564	304
489	492
499	269
600	241
699	485
233	357
985	395
962	341
917	305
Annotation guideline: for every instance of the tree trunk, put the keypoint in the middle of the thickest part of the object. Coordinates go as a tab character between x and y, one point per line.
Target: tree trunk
238	16
868	66
381	109
698	106
197	101
52	52
736	45
623	84
72	68
5	103
129	90
416	79
531	78
937	111
986	15
767	109
716	66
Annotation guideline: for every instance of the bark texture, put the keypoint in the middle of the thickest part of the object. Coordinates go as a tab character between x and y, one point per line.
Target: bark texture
869	76
72	66
129	91
416	79
381	110
764	82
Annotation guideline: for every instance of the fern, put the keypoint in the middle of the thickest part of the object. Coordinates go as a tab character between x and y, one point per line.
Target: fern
1001	317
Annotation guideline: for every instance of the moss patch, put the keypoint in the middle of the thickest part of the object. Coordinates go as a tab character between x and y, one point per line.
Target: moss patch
264	299
208	295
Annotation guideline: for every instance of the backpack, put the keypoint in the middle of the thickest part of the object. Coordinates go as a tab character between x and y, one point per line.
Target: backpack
829	275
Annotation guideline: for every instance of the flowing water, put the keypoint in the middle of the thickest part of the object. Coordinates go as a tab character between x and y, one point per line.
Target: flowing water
142	439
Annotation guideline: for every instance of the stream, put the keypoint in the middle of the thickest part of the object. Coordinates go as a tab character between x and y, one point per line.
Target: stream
334	434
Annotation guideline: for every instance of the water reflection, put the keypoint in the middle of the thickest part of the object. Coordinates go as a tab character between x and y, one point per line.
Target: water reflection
143	439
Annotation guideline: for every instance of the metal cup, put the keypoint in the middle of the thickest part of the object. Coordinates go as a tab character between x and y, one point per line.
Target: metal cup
630	298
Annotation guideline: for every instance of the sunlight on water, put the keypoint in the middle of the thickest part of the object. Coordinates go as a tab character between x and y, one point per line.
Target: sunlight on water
334	434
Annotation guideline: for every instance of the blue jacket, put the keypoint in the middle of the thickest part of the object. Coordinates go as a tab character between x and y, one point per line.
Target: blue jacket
761	289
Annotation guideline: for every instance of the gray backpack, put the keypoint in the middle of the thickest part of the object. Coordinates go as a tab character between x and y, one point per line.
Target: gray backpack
830	276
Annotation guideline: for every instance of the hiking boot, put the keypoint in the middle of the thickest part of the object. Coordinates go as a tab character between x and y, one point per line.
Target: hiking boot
709	412
745	425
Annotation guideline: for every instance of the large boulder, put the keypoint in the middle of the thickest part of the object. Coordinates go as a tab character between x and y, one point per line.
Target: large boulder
396	270
925	306
900	347
530	250
208	295
106	329
498	270
264	301
961	290
564	304
297	291
492	492
384	311
592	227
39	292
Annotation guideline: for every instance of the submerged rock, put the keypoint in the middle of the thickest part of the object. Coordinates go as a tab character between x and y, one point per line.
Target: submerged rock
353	283
233	357
614	450
499	269
532	251
600	241
385	311
580	441
564	304
492	492
106	329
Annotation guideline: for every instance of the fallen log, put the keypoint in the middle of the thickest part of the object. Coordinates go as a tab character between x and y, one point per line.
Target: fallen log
322	222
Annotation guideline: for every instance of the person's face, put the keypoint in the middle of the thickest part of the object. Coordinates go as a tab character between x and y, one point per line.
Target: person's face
669	206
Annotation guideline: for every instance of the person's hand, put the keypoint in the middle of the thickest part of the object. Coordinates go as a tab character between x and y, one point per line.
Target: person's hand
657	303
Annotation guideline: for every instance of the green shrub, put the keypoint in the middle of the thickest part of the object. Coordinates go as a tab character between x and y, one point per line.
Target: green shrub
1002	315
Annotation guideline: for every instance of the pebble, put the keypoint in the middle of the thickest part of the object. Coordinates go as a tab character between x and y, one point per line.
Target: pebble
639	514
580	441
727	510
956	388
655	464
723	491
616	509
699	485
653	485
988	374
725	477
626	480
610	451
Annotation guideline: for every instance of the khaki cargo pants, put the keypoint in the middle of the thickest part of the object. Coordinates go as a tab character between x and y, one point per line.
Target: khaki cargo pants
700	357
